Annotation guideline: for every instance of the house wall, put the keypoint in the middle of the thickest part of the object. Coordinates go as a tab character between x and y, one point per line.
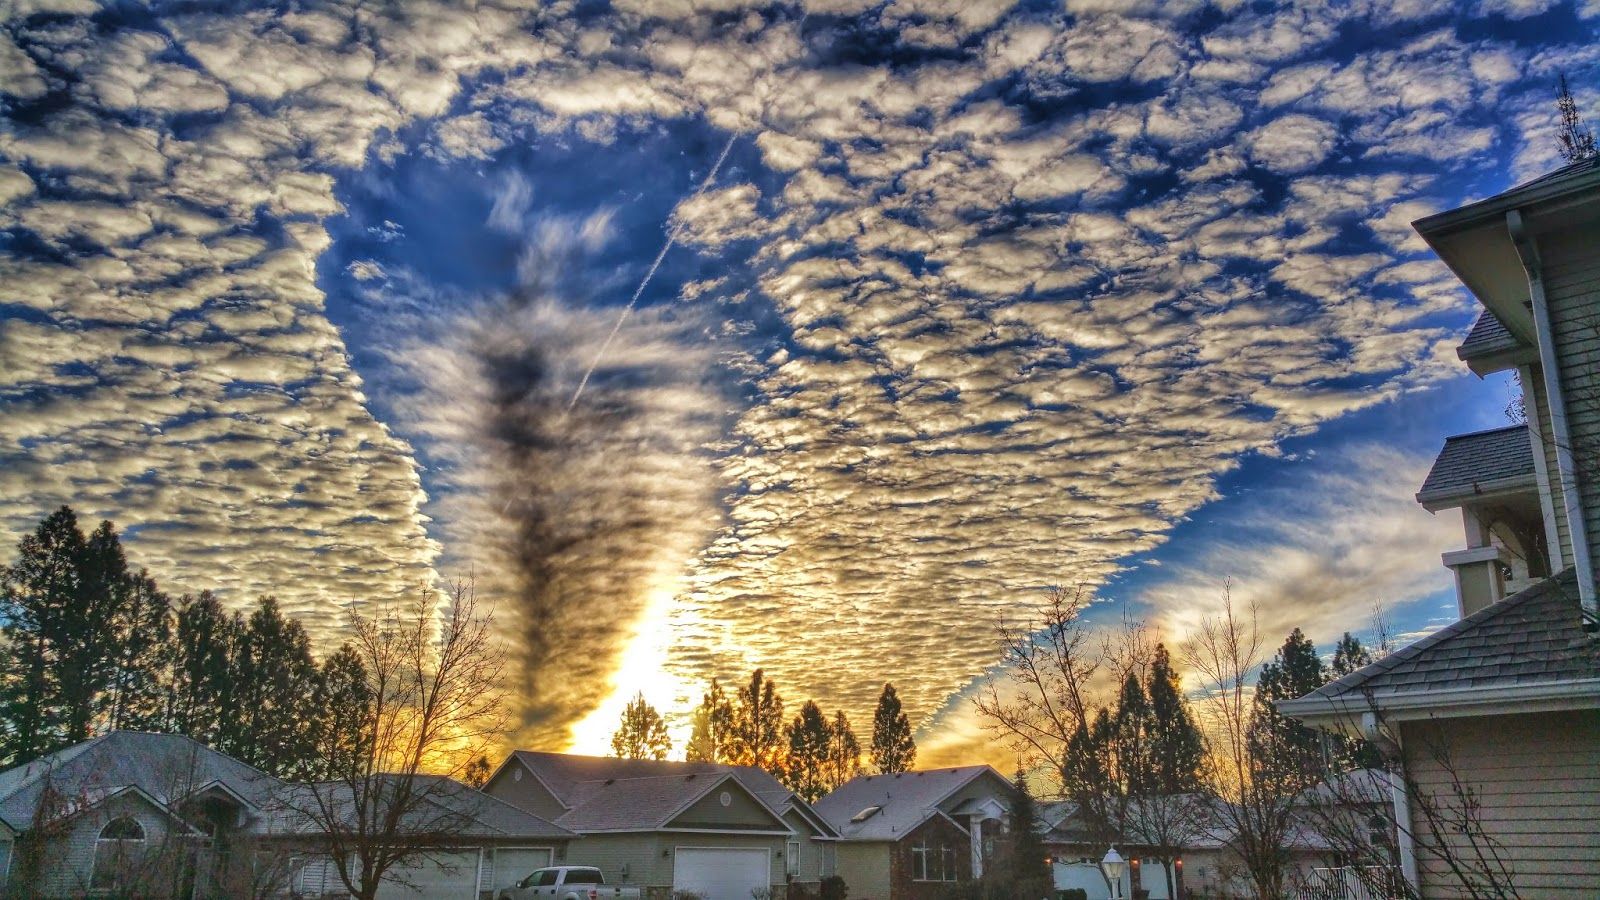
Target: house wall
742	811
864	866
812	851
646	859
1571	259
1537	777
935	833
1538	405
66	863
525	793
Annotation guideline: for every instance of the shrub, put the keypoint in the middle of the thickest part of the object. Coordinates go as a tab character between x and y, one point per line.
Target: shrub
834	888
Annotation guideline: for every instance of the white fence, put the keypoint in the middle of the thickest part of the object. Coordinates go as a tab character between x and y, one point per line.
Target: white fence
1352	883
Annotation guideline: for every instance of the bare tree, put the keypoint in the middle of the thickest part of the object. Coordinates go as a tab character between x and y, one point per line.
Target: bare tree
1253	809
432	674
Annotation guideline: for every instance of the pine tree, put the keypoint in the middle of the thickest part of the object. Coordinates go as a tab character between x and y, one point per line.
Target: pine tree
642	734
1176	748
276	688
37	593
1029	871
345	715
711	722
1348	656
202	684
1131	727
805	769
143	666
1287	756
844	752
1577	141
893	750
756	737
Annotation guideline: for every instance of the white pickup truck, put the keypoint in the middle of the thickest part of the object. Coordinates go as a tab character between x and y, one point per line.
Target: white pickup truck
567	883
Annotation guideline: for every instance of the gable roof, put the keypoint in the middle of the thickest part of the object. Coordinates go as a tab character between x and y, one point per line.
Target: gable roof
1531	646
165	767
903	801
1491	347
605	794
1480	462
447	806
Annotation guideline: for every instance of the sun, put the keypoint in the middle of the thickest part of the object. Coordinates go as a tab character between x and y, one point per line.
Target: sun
642	669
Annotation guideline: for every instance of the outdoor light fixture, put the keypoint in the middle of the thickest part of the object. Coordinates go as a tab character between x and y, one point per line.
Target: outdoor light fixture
1114	866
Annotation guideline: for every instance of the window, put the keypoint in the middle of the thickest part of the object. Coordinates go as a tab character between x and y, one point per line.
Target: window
947	863
919	863
116	851
794	859
583	876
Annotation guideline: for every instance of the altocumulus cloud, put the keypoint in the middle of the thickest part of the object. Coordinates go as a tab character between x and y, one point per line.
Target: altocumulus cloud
1042	275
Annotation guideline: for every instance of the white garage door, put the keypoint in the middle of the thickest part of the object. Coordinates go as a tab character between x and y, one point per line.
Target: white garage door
720	873
443	876
505	866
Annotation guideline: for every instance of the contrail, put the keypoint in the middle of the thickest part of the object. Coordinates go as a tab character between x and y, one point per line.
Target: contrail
672	238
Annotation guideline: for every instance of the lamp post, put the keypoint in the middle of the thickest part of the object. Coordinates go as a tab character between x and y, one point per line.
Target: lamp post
1113	867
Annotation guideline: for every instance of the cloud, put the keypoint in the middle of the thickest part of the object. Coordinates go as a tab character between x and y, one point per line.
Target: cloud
1029	283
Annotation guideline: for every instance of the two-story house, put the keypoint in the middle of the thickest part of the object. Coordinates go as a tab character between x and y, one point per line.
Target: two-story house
1495	718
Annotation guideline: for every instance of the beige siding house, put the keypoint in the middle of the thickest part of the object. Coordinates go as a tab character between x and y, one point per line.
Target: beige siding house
1504	704
161	816
908	836
718	831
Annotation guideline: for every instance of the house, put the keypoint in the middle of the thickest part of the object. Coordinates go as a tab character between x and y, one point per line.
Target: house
1505	701
160	815
1324	820
905	836
721	832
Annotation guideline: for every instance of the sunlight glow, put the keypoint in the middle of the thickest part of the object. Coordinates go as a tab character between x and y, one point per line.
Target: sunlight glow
642	669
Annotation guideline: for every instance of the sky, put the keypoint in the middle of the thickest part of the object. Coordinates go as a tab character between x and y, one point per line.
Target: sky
963	300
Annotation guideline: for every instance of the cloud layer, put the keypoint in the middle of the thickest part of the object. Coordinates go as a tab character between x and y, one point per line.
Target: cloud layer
1040	276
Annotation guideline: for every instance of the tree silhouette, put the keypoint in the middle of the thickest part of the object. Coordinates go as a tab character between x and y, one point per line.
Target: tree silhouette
642	733
805	771
893	750
1577	141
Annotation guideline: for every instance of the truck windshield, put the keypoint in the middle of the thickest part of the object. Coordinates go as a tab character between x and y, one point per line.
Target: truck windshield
584	876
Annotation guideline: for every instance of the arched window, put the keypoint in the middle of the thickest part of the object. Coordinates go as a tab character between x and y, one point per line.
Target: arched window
117	851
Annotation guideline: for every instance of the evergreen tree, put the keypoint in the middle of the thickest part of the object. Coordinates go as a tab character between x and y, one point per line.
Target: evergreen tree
73	618
642	734
1028	869
1577	141
893	750
844	753
37	594
1348	656
345	715
1177	750
805	771
756	737
142	669
711	722
202	688
1286	755
275	689
1131	727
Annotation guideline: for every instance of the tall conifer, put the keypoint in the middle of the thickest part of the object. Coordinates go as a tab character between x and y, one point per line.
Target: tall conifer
893	749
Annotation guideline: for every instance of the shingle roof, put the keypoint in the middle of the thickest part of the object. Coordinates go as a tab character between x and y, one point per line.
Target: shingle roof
1488	336
1484	457
1533	637
168	767
443	805
904	800
602	793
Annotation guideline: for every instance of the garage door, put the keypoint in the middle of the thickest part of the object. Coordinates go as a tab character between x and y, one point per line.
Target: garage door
443	876
720	873
505	866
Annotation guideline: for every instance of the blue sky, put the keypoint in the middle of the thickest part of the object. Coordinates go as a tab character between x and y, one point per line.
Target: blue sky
986	296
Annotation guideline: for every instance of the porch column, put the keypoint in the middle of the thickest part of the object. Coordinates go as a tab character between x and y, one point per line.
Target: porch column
977	845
